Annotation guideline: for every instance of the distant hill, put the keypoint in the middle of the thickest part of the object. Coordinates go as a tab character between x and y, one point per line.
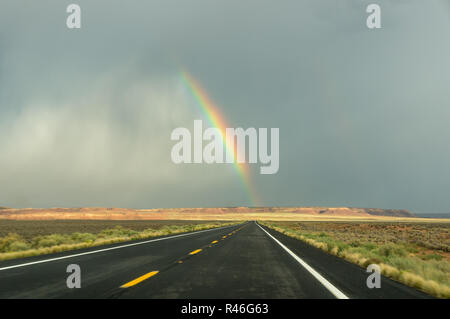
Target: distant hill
389	212
221	213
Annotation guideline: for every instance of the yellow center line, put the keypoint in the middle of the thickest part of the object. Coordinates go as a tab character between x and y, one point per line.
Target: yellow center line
138	280
214	242
195	252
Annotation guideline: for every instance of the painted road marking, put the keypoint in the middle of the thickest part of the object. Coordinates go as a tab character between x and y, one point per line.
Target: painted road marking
151	274
195	252
335	291
111	248
138	280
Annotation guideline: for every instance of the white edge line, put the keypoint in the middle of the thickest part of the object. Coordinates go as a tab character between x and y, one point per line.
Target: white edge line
335	291
111	248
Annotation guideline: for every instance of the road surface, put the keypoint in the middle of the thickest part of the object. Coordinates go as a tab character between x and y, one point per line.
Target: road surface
242	261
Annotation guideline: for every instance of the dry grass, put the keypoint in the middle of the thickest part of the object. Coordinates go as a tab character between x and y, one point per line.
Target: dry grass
413	253
32	228
14	245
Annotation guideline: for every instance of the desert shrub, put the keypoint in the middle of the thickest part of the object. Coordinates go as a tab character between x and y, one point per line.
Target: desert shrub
372	260
369	246
363	251
83	237
432	256
19	246
355	243
168	230
11	241
117	231
411	248
50	240
388	250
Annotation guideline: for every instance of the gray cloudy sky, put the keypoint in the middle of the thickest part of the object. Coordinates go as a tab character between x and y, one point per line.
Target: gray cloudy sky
86	115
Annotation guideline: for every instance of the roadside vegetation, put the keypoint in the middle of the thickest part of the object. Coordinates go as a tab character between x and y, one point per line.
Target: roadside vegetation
416	254
15	245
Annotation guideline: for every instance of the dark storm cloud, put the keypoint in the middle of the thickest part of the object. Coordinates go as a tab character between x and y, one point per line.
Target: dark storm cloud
86	114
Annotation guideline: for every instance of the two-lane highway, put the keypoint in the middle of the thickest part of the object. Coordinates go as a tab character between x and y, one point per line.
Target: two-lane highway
242	261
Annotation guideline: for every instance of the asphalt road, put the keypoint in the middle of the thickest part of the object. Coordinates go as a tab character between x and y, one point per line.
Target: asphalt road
243	261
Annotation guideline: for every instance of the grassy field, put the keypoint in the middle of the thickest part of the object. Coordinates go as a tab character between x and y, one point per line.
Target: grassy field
417	254
20	239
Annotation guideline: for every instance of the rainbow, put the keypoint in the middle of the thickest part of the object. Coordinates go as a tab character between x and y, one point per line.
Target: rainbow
216	119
